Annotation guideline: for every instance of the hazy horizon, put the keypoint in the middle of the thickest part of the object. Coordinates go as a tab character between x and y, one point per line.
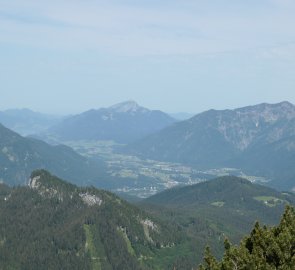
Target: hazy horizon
171	113
65	57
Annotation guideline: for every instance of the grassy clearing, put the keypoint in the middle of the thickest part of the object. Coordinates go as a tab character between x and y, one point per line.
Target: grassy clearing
96	265
269	200
218	204
123	233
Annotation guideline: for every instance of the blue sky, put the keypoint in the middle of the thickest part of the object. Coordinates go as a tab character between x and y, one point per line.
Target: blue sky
68	56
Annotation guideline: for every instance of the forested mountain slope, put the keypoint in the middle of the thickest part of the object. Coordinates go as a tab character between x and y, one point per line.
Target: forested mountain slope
52	224
219	208
19	156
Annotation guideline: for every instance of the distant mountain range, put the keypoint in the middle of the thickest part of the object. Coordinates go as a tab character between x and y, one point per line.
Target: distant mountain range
259	139
19	156
181	115
27	122
123	123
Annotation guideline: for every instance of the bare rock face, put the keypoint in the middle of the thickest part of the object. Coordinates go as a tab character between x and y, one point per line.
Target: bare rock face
90	199
43	189
49	186
243	127
33	182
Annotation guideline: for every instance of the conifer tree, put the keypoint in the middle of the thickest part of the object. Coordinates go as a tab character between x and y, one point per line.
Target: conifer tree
265	248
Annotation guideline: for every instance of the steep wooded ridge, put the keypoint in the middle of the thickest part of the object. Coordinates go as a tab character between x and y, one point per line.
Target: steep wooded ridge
259	139
51	224
123	123
19	156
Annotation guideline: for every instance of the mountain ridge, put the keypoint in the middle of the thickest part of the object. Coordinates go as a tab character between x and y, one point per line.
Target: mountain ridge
123	123
19	156
226	188
26	122
222	138
226	206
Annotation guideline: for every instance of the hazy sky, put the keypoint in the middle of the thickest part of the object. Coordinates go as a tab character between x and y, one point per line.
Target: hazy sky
66	56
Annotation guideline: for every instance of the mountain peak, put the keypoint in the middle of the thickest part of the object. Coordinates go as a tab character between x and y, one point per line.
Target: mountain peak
127	106
286	104
280	105
269	112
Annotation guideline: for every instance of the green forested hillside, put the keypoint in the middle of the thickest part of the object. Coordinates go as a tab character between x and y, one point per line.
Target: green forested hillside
224	207
52	224
55	225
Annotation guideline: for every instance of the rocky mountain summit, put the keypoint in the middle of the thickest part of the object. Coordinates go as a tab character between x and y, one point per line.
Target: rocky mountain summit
127	107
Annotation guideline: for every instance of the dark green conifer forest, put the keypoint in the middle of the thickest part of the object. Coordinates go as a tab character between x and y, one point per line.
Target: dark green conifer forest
265	248
52	224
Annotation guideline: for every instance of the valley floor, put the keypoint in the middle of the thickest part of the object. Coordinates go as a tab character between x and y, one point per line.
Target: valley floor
145	177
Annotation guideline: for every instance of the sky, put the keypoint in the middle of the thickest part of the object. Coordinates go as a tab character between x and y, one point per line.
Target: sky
67	56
